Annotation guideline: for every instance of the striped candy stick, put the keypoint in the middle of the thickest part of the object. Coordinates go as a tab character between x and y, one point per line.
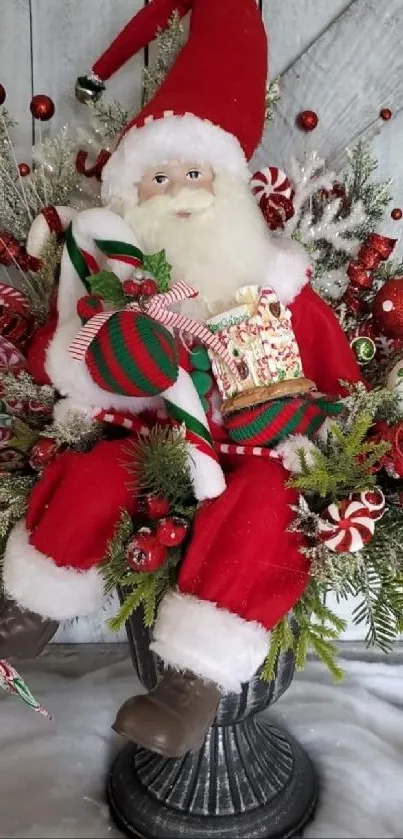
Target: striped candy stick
12	682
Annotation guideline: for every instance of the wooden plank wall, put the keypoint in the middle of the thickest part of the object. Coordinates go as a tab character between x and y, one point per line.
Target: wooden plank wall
343	58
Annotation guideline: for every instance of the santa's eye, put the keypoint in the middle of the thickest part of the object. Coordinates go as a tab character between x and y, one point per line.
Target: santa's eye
160	178
194	175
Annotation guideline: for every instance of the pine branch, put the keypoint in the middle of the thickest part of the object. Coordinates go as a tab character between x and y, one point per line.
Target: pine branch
315	627
375	195
346	465
160	465
169	42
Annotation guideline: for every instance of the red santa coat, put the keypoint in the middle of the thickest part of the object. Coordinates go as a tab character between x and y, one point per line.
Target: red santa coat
241	557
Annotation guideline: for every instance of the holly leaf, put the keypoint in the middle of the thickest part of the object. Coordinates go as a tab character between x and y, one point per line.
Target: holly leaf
158	265
108	286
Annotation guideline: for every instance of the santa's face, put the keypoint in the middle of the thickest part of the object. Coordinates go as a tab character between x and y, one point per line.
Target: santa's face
172	178
207	222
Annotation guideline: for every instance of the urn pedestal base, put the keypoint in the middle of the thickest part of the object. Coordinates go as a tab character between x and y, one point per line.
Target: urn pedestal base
249	780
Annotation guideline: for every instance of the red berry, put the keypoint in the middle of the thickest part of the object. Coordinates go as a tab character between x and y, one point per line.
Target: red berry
2	94
156	506
386	114
144	552
24	169
307	120
397	214
148	287
171	531
131	288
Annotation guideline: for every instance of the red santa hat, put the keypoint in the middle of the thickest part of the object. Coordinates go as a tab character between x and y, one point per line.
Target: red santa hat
211	106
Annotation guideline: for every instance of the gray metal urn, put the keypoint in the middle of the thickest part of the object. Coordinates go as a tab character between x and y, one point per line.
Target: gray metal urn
250	780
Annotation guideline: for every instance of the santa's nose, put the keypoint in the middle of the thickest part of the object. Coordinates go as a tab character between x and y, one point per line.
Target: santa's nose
175	187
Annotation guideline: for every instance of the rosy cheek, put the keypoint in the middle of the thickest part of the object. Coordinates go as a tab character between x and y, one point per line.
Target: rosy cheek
148	190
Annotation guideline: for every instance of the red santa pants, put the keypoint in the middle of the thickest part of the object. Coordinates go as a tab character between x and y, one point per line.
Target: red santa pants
243	570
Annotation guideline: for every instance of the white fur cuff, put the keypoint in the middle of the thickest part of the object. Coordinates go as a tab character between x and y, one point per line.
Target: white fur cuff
288	452
37	584
217	645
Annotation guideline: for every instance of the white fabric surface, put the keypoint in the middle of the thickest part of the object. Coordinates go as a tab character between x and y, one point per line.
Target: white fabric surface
52	774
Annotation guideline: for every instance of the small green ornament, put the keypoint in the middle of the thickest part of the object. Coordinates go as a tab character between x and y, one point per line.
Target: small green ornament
199	359
364	349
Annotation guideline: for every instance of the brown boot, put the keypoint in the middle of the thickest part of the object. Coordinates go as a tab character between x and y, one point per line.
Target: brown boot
22	633
174	718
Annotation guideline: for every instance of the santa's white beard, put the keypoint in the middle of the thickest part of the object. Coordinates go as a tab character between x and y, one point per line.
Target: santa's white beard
223	245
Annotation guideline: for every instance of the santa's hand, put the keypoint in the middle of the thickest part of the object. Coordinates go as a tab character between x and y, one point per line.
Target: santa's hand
289	452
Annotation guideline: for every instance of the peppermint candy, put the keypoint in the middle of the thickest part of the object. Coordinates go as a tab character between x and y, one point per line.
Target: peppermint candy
346	527
270	181
14	300
373	500
273	192
10	356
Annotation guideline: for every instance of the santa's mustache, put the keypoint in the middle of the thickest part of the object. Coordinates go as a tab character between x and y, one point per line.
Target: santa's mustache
186	202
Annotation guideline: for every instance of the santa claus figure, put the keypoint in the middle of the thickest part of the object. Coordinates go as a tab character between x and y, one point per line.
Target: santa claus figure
179	179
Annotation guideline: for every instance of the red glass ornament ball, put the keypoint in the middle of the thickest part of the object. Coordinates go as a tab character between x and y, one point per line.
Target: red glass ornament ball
42	107
307	120
386	114
171	531
148	287
2	94
397	214
157	506
24	169
388	308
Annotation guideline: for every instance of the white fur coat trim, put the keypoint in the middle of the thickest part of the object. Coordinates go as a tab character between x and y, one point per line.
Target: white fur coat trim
172	138
288	452
217	645
287	269
37	584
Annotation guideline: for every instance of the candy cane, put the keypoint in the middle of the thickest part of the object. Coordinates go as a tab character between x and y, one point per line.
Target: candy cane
49	221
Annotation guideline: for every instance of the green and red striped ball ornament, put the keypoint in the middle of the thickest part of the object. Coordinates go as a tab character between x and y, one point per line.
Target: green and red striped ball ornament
272	422
133	355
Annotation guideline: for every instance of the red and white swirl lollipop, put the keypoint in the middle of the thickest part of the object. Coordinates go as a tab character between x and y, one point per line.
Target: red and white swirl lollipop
346	527
273	193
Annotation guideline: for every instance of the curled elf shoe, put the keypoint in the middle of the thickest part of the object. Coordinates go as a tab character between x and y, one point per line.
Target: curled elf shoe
174	718
23	634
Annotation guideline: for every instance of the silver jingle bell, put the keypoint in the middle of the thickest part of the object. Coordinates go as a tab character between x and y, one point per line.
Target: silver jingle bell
89	89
